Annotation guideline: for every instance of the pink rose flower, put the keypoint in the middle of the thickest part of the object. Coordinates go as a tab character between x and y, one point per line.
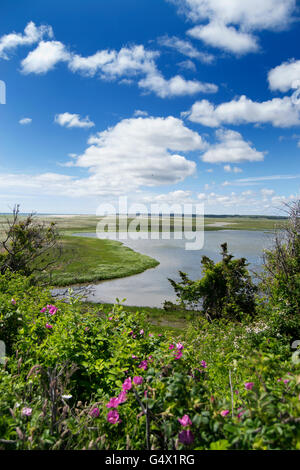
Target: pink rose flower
143	365
113	417
224	413
95	412
178	355
185	421
127	384
179	346
249	385
122	396
138	380
113	403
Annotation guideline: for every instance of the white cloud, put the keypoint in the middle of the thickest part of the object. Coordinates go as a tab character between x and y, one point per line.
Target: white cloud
45	57
285	76
254	180
134	153
73	120
236	20
175	86
122	65
140	113
225	37
187	65
140	151
267	192
231	148
186	48
280	112
25	121
235	169
32	34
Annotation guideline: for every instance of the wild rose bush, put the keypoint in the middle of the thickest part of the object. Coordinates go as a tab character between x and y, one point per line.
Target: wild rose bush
74	380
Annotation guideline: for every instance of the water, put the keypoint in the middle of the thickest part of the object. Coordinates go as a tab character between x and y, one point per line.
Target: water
151	288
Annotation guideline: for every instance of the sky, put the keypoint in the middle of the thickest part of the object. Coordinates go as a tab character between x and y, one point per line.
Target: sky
161	101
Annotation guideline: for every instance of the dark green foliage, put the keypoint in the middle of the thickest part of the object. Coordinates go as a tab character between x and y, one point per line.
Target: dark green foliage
224	291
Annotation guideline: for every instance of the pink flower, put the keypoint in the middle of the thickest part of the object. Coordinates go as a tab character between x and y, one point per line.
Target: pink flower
286	381
240	413
186	437
224	413
179	346
95	412
150	335
113	417
138	380
122	396
13	301
146	394
26	411
159	334
143	365
133	356
110	318
43	310
150	358
52	310
171	346
141	332
203	364
130	333
127	384
249	385
48	326
178	355
185	421
212	399
113	403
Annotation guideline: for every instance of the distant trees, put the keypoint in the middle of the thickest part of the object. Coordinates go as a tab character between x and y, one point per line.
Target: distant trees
28	245
225	290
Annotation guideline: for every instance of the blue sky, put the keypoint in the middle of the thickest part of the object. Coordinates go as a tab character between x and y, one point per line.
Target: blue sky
163	101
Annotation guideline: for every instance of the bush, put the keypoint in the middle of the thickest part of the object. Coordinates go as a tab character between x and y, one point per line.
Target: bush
220	386
224	291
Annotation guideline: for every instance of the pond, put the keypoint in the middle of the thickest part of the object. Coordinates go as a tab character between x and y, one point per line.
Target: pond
151	288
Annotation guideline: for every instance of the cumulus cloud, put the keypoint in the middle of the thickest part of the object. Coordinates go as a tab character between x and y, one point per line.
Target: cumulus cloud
141	151
134	153
175	86
32	34
45	57
280	112
73	120
236	20
123	65
25	121
225	37
231	148
285	76
186	48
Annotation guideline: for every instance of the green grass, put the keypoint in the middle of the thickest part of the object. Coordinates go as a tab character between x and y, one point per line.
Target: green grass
173	322
87	260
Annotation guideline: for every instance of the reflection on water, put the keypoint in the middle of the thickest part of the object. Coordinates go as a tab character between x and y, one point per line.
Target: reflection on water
151	288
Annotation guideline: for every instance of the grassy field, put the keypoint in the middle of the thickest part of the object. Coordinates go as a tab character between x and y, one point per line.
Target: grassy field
80	223
86	260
